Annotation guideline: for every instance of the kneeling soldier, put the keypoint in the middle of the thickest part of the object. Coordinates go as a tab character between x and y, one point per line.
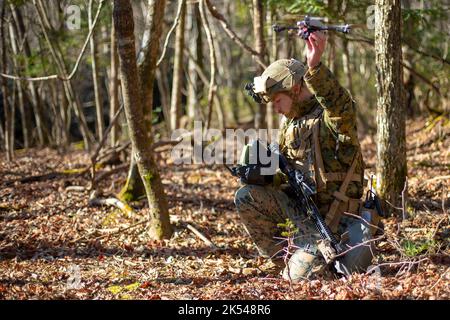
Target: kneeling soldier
319	137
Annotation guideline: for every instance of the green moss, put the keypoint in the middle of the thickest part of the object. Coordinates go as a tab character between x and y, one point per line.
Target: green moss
148	178
78	145
133	190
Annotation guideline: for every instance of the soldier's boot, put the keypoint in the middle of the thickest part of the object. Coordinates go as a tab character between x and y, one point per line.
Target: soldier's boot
305	266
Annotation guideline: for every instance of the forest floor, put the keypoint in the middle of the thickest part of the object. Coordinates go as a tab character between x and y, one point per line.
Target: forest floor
54	245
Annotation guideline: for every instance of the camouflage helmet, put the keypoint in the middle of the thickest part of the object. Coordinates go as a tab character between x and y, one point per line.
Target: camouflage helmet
280	76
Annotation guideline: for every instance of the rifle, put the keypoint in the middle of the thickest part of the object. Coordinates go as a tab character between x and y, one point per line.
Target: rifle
312	24
329	246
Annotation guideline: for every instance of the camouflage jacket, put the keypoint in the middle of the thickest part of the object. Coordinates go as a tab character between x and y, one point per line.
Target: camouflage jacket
335	111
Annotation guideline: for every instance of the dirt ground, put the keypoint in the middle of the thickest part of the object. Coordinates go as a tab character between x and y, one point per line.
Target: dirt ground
54	245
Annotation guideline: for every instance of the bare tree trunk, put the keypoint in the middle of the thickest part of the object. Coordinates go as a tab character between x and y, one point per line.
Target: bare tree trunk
195	48
212	62
225	72
43	133
149	54
163	86
59	62
12	120
177	83
8	121
95	76
411	105
271	124
60	99
258	32
24	115
2	134
134	187
391	141
123	20
114	88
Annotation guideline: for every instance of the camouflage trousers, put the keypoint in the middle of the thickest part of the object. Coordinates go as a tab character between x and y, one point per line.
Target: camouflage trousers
263	208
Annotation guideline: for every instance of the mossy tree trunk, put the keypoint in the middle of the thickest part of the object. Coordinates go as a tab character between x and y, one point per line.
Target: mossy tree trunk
134	188
391	141
131	91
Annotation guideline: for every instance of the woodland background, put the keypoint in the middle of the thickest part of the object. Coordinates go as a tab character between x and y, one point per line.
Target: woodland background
75	225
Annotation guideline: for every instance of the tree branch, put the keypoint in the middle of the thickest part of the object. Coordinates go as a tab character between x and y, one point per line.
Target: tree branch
77	63
233	36
166	42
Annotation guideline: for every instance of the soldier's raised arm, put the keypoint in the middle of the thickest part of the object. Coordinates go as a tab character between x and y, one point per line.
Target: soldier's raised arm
340	109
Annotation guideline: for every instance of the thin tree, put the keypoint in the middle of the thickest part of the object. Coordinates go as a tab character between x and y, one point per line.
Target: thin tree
114	88
95	75
18	66
160	226
391	141
147	59
195	49
36	101
177	83
58	59
6	107
260	45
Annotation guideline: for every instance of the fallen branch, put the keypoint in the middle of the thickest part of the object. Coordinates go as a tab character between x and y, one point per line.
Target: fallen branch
198	234
115	203
75	189
45	176
111	233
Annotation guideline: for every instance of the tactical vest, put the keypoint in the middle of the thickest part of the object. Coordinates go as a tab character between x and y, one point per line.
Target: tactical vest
300	143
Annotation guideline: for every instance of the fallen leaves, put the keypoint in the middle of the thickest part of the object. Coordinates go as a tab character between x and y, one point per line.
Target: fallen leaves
45	229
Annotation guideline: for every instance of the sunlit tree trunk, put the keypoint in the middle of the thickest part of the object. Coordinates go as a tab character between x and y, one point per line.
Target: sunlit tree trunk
177	83
6	107
131	91
272	36
100	127
195	48
391	141
114	88
258	32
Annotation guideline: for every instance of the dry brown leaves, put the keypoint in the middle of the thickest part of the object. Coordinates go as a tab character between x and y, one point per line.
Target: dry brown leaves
50	246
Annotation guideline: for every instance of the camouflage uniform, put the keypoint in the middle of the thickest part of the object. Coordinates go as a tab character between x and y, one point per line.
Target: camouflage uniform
323	143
